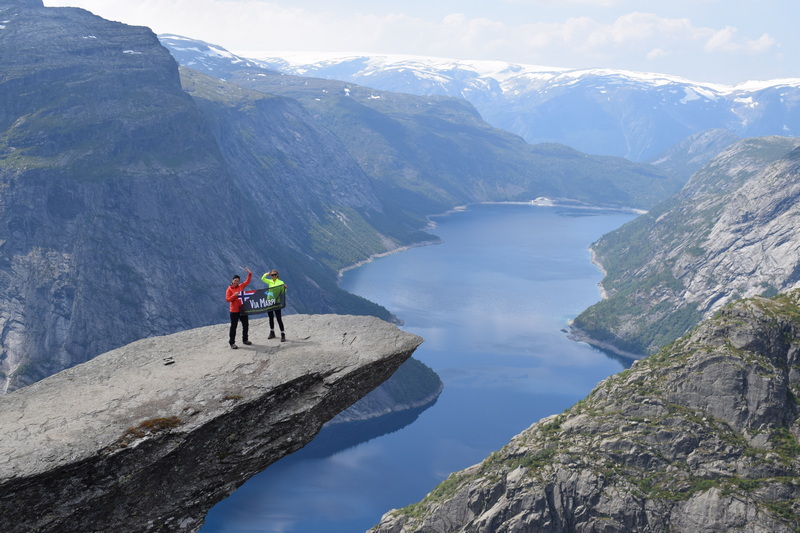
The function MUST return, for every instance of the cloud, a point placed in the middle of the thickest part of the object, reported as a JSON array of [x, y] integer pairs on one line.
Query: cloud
[[725, 40], [634, 40], [657, 53], [598, 3]]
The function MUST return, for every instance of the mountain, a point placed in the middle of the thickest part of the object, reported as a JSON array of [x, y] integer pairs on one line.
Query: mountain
[[731, 232], [691, 154], [598, 111], [428, 154], [319, 201], [702, 436]]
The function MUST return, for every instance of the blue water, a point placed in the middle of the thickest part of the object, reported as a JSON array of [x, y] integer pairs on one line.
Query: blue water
[[491, 302]]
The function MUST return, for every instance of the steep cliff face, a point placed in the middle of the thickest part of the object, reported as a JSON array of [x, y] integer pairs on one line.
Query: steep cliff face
[[729, 233], [107, 170], [319, 200], [702, 436], [149, 436]]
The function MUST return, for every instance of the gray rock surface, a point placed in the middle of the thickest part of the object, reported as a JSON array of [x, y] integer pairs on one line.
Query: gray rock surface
[[149, 436], [701, 437], [730, 233]]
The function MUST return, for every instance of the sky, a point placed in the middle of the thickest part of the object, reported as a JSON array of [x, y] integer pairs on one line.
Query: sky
[[716, 41]]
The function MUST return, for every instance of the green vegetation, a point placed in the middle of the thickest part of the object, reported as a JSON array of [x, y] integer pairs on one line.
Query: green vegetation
[[650, 260], [651, 326], [233, 397], [786, 445], [445, 490], [202, 86], [343, 238]]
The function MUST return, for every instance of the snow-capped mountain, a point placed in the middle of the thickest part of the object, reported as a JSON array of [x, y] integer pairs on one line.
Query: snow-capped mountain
[[614, 112], [600, 111]]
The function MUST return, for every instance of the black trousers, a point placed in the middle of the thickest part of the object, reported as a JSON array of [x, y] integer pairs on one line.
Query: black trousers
[[272, 316], [235, 319]]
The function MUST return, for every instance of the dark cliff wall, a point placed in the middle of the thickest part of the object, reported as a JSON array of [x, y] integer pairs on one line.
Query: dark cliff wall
[[114, 196]]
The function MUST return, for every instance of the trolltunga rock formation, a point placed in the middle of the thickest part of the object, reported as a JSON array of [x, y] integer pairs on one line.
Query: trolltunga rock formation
[[149, 436]]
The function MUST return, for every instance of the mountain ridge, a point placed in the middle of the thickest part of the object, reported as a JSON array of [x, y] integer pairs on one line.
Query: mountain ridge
[[626, 113], [306, 63], [435, 152]]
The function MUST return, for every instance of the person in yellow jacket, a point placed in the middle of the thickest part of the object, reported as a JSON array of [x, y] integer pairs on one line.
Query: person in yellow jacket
[[272, 279]]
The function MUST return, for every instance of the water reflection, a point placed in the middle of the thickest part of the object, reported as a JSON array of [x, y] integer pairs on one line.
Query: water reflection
[[339, 437]]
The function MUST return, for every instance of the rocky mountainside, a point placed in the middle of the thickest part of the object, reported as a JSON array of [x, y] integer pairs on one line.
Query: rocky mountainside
[[148, 437], [320, 205], [730, 233], [428, 154], [691, 154], [702, 436], [599, 111]]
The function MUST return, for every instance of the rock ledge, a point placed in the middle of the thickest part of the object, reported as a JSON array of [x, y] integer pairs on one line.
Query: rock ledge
[[149, 436]]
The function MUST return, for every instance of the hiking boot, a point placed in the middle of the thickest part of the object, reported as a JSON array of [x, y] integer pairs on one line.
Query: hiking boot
[[234, 347], [271, 335], [283, 337], [247, 342]]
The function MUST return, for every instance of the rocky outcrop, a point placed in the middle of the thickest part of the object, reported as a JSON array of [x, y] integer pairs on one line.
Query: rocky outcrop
[[702, 436], [730, 233], [149, 436]]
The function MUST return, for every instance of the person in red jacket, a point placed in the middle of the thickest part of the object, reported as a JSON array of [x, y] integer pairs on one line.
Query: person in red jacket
[[232, 296]]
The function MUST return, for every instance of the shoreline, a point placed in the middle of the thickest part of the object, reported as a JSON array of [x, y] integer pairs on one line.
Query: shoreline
[[573, 333], [541, 201], [386, 253], [578, 335], [596, 262]]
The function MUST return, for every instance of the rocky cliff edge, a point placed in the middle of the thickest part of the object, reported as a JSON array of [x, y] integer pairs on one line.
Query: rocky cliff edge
[[149, 436], [701, 437]]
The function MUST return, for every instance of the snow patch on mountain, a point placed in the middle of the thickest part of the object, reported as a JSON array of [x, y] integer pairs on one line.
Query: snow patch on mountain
[[444, 70], [637, 115]]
